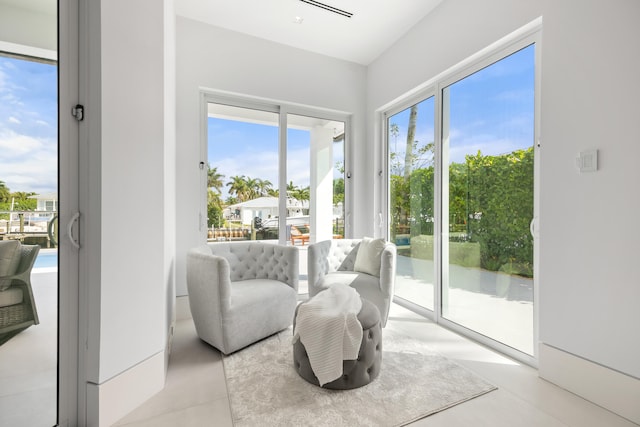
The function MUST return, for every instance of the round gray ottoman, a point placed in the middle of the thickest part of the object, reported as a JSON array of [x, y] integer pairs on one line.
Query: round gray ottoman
[[356, 373]]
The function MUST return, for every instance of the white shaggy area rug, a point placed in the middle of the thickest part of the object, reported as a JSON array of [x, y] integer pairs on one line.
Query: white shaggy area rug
[[414, 382]]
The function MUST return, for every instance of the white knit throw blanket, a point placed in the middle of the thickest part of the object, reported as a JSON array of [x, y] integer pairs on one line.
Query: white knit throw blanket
[[328, 327]]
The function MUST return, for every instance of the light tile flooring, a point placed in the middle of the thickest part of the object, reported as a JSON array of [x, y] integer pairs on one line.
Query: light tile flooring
[[28, 363], [195, 393]]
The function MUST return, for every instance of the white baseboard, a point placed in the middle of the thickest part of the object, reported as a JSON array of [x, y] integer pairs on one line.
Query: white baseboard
[[110, 401], [605, 387]]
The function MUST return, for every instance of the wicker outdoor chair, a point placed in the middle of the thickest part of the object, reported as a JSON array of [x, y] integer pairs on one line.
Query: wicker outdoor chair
[[17, 305]]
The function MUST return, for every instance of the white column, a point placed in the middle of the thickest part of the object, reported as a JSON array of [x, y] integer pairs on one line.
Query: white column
[[321, 186]]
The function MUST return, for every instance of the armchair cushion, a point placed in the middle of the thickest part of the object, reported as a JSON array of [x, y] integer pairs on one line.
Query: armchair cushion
[[11, 296], [368, 256], [9, 261]]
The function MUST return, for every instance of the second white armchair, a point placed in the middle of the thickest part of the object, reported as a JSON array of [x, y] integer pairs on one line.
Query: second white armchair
[[368, 265]]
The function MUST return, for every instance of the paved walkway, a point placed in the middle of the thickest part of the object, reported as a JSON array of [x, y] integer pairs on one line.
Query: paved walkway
[[497, 305]]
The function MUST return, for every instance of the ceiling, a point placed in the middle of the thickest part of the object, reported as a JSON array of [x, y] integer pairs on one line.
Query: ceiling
[[48, 7], [373, 28]]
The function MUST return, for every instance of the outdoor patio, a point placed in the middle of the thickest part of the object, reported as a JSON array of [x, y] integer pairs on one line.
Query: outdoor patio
[[494, 304]]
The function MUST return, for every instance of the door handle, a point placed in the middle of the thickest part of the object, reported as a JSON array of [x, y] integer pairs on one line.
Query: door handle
[[532, 227], [72, 239]]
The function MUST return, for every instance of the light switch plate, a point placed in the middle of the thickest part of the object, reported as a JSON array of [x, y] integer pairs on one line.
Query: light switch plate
[[587, 161]]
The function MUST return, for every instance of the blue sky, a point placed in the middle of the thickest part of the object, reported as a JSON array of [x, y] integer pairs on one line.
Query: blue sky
[[241, 148], [28, 125], [491, 111]]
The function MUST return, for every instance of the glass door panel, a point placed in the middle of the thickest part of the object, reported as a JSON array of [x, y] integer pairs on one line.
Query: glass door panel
[[487, 156], [411, 188], [242, 179], [28, 213]]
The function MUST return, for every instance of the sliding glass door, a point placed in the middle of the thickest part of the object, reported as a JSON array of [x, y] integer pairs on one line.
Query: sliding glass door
[[461, 210], [28, 215], [487, 169]]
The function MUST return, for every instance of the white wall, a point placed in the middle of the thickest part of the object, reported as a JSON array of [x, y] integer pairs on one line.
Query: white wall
[[132, 188], [169, 174], [588, 282], [214, 58], [128, 192]]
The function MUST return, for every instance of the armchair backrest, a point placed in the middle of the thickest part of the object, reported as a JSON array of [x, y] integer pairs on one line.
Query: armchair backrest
[[340, 255], [19, 265], [331, 256], [335, 255], [259, 260]]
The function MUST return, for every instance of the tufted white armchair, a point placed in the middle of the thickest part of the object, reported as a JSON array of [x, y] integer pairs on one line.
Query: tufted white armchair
[[333, 261], [241, 292]]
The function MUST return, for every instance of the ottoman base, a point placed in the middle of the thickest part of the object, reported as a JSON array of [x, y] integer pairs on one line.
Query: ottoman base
[[356, 373]]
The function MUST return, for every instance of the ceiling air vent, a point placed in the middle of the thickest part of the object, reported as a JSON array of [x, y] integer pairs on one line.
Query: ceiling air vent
[[327, 7]]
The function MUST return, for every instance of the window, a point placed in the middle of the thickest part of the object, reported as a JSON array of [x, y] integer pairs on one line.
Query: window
[[264, 164]]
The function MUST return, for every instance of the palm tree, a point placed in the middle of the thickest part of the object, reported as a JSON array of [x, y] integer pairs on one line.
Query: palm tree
[[411, 135], [5, 194], [238, 186], [297, 192], [302, 193], [252, 188], [264, 186], [214, 179]]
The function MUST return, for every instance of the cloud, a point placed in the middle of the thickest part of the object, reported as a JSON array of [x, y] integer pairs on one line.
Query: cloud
[[28, 128], [28, 164], [488, 144]]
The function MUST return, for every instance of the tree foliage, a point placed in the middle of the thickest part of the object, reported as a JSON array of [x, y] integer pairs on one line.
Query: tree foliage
[[490, 203], [17, 201], [501, 206]]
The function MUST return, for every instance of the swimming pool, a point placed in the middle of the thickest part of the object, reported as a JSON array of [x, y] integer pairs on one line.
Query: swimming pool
[[47, 258]]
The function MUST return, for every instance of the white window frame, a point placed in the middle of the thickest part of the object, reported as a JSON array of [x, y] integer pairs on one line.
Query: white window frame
[[282, 109]]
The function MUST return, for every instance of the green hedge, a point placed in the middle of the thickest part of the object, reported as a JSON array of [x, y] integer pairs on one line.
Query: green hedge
[[490, 205], [466, 254]]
